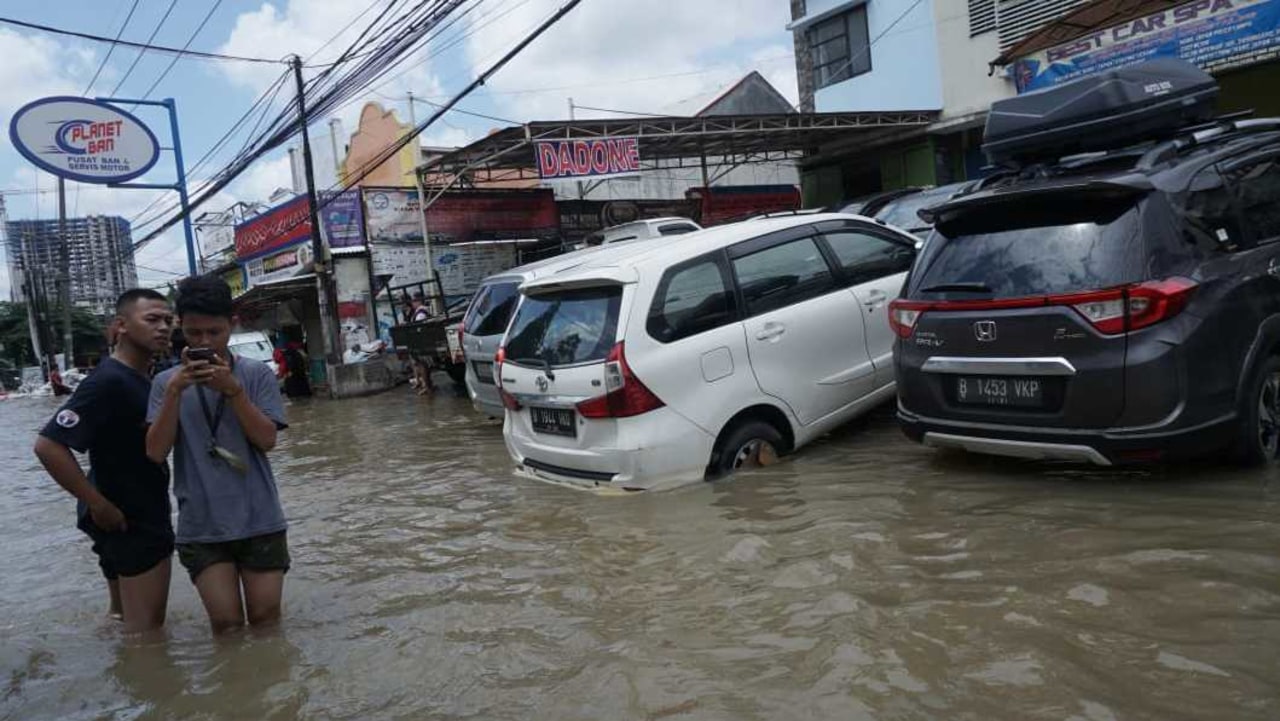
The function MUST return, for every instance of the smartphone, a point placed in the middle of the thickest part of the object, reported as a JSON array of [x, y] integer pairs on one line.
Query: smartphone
[[200, 354]]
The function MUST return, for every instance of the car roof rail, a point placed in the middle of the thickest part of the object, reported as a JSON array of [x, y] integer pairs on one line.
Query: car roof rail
[[1224, 129]]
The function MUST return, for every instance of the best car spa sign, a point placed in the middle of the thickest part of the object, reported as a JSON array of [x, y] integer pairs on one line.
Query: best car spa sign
[[84, 140], [590, 159]]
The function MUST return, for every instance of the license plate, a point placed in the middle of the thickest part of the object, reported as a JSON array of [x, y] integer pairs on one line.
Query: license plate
[[993, 391], [484, 372], [554, 421]]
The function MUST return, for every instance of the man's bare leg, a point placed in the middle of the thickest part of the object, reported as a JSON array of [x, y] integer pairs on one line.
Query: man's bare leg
[[145, 598], [262, 593], [219, 588]]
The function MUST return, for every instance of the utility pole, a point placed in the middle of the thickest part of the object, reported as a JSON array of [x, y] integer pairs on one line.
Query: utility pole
[[324, 281], [437, 304], [68, 355], [33, 321]]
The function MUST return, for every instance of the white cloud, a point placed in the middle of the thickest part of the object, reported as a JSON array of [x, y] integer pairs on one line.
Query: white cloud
[[35, 66], [598, 50]]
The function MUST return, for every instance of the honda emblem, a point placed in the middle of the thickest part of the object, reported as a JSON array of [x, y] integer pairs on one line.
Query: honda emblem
[[985, 330]]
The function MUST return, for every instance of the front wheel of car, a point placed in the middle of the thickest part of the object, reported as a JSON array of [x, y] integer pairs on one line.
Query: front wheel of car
[[1259, 436], [752, 444]]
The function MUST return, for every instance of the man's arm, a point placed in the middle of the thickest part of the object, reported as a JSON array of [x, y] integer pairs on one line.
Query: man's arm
[[166, 405], [58, 460]]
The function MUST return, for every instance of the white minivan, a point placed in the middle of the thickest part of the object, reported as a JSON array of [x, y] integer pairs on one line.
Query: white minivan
[[701, 355]]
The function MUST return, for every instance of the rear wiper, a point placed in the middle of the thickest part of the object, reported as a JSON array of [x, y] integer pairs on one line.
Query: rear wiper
[[540, 363], [958, 287]]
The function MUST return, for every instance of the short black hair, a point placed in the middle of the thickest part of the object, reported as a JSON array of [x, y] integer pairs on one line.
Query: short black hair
[[133, 295], [205, 295]]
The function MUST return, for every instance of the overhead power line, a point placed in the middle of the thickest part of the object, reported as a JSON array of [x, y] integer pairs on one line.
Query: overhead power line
[[143, 46], [186, 45], [154, 33], [111, 49]]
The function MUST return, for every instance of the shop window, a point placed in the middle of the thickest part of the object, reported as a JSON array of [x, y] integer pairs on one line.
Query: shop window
[[841, 48]]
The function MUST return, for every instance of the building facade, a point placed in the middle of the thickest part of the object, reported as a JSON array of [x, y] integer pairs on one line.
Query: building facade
[[99, 256], [918, 55]]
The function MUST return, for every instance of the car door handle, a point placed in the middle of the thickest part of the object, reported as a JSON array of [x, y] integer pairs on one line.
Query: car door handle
[[875, 299], [771, 331]]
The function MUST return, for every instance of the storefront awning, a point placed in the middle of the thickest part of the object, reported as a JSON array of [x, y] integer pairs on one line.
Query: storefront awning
[[1085, 19], [667, 142], [267, 295]]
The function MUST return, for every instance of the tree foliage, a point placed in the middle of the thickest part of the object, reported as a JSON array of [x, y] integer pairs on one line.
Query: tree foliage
[[88, 333]]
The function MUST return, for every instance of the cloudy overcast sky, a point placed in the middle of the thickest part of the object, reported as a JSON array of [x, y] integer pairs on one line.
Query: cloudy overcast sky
[[650, 56]]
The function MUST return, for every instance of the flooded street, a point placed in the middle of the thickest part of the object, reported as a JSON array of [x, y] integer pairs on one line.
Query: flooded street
[[864, 578]]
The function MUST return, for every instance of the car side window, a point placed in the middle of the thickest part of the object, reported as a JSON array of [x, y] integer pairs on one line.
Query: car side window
[[865, 257], [1257, 187], [782, 275], [692, 298]]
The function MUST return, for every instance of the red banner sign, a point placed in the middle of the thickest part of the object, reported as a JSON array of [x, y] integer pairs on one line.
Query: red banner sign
[[281, 226], [594, 158], [732, 203], [491, 215]]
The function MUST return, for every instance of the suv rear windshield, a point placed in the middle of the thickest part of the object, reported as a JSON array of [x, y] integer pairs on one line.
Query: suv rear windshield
[[565, 328], [491, 309], [1036, 247]]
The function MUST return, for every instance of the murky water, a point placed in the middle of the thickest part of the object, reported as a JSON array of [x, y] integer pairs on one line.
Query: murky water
[[865, 578]]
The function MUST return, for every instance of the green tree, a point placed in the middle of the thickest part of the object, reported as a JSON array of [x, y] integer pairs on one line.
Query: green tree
[[88, 333]]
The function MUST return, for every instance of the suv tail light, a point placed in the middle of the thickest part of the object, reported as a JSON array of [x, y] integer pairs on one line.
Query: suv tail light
[[1112, 312], [625, 395], [461, 355], [903, 315], [508, 401]]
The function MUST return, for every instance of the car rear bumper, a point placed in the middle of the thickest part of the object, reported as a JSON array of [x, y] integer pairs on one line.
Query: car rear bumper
[[484, 397], [657, 450], [1097, 446]]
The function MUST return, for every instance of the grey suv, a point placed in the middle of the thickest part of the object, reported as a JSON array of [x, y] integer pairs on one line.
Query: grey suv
[[1113, 306]]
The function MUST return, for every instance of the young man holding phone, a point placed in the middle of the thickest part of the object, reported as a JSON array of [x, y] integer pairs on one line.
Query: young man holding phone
[[124, 500], [219, 415]]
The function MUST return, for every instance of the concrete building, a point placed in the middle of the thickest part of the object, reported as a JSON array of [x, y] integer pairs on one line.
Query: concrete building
[[896, 55], [100, 257]]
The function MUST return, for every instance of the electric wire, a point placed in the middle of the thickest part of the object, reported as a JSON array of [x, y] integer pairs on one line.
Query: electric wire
[[134, 64], [111, 49]]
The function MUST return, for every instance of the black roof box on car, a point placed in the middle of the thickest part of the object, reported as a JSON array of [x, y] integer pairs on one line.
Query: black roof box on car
[[1102, 111]]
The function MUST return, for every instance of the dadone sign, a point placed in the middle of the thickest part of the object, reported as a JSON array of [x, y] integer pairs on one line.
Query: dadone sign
[[590, 159], [83, 140]]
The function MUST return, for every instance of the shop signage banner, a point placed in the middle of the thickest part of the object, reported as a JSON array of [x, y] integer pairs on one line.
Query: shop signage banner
[[283, 225], [461, 268], [465, 216], [737, 202], [341, 222], [591, 159], [83, 140], [393, 215], [278, 265], [1213, 34]]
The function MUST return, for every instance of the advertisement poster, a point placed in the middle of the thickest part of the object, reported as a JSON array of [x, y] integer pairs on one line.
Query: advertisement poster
[[461, 268], [341, 222], [733, 203], [1213, 34], [283, 225], [235, 279], [279, 265], [589, 158], [392, 215]]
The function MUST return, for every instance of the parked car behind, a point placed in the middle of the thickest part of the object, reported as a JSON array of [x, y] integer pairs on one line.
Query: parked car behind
[[904, 211], [642, 229], [697, 356], [1111, 307], [255, 345]]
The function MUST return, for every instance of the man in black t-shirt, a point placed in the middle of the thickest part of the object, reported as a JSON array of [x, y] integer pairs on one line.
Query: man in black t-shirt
[[124, 501]]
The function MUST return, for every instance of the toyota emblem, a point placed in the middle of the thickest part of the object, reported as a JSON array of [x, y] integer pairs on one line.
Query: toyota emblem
[[985, 330], [542, 384]]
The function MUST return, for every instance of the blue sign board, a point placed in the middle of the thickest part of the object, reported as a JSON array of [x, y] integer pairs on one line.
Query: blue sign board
[[1213, 34]]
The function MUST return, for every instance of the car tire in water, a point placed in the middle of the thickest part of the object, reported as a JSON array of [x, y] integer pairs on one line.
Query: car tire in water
[[457, 372], [1258, 439], [750, 444]]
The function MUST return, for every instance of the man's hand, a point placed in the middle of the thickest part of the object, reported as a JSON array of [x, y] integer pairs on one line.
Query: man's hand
[[106, 516], [220, 378]]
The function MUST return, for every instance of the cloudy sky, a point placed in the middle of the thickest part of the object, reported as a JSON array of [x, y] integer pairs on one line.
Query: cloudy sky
[[647, 56]]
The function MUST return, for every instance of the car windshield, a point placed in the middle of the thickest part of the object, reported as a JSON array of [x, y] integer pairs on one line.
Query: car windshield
[[491, 309], [565, 328], [904, 212], [1035, 247], [256, 349]]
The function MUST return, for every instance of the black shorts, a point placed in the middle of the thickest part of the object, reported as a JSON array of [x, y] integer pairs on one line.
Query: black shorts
[[129, 553], [268, 552]]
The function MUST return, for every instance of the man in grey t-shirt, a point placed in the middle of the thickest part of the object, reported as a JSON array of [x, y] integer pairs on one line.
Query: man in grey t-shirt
[[219, 415]]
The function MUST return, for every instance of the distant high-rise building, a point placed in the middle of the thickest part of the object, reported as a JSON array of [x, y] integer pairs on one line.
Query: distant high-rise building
[[100, 254]]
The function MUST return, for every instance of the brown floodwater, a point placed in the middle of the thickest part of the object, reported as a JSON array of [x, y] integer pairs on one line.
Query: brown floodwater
[[863, 578]]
